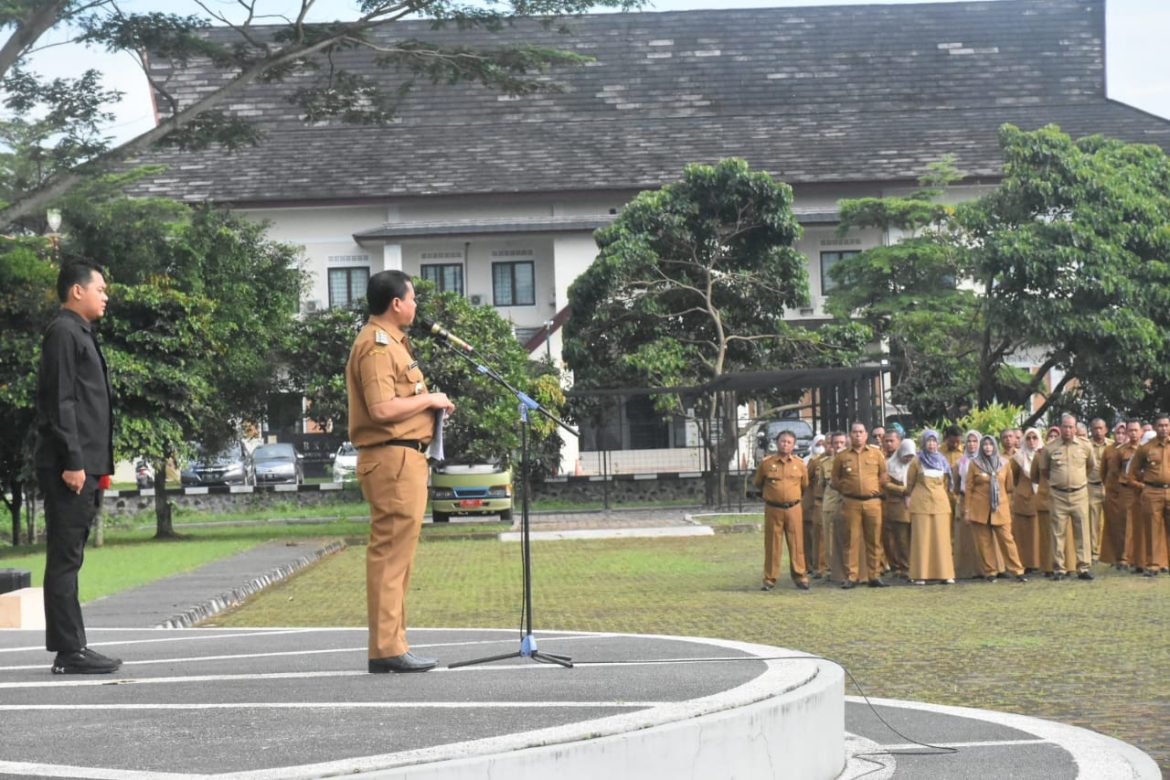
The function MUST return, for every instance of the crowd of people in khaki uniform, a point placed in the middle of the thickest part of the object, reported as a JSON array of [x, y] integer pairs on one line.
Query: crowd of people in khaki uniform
[[953, 507]]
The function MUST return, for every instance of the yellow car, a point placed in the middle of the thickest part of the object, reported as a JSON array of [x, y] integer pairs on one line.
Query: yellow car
[[460, 491]]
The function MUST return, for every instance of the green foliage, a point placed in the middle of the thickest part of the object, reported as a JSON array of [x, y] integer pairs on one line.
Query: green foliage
[[989, 420], [485, 426]]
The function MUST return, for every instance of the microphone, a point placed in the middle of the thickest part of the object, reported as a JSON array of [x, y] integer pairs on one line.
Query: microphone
[[439, 332]]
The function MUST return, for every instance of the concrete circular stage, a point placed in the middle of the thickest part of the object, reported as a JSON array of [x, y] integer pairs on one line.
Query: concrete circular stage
[[297, 702]]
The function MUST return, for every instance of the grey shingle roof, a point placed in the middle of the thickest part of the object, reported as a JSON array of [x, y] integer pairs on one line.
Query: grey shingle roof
[[814, 94]]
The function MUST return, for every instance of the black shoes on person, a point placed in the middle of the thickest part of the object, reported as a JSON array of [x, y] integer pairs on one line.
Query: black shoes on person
[[407, 662], [85, 661], [877, 584]]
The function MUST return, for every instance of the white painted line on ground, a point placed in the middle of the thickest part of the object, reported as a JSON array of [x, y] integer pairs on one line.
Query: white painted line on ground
[[611, 533], [245, 634], [1096, 755], [342, 705], [956, 745], [63, 770]]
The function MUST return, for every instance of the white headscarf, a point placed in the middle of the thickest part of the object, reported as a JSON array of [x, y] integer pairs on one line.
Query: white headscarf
[[1025, 454], [817, 448], [897, 468], [1148, 436]]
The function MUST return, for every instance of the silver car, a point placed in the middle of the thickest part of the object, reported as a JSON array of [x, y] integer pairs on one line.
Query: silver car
[[278, 464], [345, 463]]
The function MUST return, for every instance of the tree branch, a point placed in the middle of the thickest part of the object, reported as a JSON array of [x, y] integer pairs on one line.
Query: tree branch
[[28, 32], [1052, 397]]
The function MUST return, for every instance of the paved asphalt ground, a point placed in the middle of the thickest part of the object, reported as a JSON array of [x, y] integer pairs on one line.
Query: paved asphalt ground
[[296, 702]]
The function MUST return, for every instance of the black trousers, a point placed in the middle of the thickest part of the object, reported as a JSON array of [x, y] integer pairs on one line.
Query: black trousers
[[68, 518]]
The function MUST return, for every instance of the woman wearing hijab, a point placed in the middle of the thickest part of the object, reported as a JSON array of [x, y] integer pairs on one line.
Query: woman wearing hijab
[[895, 518], [1029, 534], [927, 497], [967, 565], [986, 494]]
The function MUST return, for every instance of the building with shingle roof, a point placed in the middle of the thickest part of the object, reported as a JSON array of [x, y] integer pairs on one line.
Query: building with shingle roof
[[497, 197]]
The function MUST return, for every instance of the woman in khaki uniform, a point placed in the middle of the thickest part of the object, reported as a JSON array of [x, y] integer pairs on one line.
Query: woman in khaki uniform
[[1026, 527], [929, 504], [986, 509], [967, 564], [895, 517]]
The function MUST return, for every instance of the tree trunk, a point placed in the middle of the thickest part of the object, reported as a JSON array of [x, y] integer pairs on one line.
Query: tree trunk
[[164, 528], [16, 488], [31, 515]]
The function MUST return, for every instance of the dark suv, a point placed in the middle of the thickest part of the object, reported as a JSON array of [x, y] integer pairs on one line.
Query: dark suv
[[767, 432]]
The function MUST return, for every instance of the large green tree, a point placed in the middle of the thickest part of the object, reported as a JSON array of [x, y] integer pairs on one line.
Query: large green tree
[[691, 283], [273, 41], [1067, 259]]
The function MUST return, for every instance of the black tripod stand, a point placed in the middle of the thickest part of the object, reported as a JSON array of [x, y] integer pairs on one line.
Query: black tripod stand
[[528, 647]]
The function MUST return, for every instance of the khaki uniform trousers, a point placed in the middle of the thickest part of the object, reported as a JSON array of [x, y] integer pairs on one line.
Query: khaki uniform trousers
[[394, 483], [993, 542], [1096, 516], [814, 546], [1070, 509], [862, 521], [784, 526], [832, 539], [1152, 518]]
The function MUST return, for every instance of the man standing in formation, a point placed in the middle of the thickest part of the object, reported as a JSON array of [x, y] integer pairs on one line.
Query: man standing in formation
[[859, 474], [74, 457], [391, 421], [1067, 464], [1150, 467], [1099, 441], [783, 477]]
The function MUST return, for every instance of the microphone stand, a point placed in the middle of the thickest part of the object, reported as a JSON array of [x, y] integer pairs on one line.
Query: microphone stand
[[528, 648]]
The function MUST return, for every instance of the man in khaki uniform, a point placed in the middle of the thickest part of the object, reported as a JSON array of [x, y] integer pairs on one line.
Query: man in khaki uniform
[[832, 539], [1068, 462], [783, 477], [391, 421], [1151, 465], [859, 474], [1098, 440]]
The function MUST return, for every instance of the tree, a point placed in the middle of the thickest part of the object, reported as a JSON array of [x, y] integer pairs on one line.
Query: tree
[[201, 305], [691, 283], [484, 427], [27, 302], [1066, 259], [57, 153]]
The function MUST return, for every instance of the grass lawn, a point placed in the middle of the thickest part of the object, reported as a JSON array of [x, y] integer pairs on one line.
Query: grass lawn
[[1092, 654]]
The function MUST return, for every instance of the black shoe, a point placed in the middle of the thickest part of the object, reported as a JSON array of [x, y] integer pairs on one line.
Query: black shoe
[[767, 586], [1150, 573], [802, 586], [85, 661], [989, 578], [877, 584], [848, 585], [817, 575], [1021, 578], [1085, 575], [1060, 575], [407, 662]]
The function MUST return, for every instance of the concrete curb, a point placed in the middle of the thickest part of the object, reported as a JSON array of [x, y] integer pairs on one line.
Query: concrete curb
[[236, 596]]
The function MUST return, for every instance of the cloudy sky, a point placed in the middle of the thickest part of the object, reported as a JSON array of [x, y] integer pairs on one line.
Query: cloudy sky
[[1135, 33]]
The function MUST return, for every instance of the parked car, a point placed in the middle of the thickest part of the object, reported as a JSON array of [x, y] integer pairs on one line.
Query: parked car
[[479, 489], [230, 466], [345, 463], [278, 463], [144, 474], [767, 432]]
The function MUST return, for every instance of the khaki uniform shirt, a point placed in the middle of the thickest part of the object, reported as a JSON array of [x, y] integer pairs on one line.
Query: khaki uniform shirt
[[859, 474], [814, 473], [1117, 460], [929, 493], [1095, 476], [381, 368], [1151, 464], [1066, 464], [783, 479]]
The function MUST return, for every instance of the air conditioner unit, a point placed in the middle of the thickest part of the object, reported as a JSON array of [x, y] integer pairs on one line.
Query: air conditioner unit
[[308, 307], [477, 300], [807, 312]]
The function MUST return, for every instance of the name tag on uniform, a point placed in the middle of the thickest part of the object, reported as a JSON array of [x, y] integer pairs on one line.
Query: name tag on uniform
[[380, 337], [412, 366]]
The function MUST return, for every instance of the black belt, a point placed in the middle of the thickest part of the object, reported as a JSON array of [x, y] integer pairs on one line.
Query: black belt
[[410, 444], [1162, 485], [861, 498], [1094, 483], [788, 505], [1067, 490]]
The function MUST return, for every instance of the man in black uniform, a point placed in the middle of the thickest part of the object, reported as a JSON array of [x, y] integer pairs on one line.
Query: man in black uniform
[[74, 453]]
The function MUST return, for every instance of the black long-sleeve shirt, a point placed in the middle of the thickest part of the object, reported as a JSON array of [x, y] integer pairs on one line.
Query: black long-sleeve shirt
[[74, 416]]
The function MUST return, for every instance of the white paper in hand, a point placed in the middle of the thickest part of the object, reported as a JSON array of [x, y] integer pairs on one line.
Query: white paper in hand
[[435, 450]]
